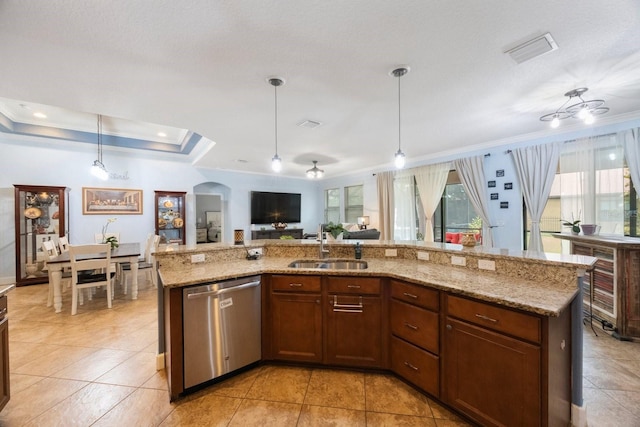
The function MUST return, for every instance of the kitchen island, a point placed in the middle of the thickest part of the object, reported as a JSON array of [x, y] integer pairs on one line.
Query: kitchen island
[[511, 312]]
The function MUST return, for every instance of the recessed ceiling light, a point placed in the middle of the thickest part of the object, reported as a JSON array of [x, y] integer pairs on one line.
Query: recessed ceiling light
[[39, 115], [162, 134]]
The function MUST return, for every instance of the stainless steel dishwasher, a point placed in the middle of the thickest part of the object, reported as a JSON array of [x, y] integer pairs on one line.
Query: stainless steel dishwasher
[[222, 328]]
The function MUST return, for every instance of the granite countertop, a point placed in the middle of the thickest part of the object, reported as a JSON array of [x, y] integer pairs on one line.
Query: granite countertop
[[614, 240], [544, 298], [4, 289]]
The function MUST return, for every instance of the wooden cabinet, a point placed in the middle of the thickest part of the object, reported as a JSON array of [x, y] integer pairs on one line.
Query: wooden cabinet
[[353, 316], [296, 233], [415, 344], [493, 365], [170, 216], [4, 353], [296, 318], [41, 213], [201, 235]]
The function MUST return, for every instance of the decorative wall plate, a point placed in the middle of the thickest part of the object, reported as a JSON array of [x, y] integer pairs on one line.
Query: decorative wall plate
[[168, 204], [32, 213], [178, 222], [162, 223]]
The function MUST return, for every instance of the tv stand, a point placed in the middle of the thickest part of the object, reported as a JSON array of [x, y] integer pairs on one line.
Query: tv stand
[[296, 233]]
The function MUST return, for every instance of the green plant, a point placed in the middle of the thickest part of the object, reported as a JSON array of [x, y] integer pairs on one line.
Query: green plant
[[573, 224], [286, 237], [112, 241], [334, 229], [476, 223]]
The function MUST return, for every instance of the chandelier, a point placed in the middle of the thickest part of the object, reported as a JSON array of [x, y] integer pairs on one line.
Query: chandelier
[[583, 110], [315, 171], [97, 169]]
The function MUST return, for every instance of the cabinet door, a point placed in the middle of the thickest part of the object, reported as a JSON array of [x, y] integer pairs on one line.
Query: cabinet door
[[354, 331], [4, 362], [170, 216], [296, 327], [493, 378]]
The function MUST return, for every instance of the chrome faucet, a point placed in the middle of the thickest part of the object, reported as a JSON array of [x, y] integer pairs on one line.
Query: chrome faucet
[[324, 253]]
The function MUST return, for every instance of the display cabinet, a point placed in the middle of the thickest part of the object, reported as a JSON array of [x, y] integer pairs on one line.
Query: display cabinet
[[41, 213], [170, 216]]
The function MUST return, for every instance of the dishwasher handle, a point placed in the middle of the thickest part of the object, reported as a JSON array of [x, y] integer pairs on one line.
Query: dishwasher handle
[[223, 291]]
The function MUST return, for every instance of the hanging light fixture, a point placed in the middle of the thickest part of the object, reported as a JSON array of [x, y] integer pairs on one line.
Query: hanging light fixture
[[583, 110], [97, 169], [315, 171], [276, 161], [399, 157]]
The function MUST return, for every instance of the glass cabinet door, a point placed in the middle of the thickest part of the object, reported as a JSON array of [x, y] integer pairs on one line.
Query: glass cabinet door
[[170, 216], [40, 214]]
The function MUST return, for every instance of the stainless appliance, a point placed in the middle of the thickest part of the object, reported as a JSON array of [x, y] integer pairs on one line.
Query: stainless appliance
[[222, 324]]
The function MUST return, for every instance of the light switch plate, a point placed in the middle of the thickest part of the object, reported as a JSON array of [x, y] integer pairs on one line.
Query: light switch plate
[[424, 256], [486, 264], [390, 252], [458, 260], [197, 258]]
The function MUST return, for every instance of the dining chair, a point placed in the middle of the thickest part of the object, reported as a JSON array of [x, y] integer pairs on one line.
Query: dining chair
[[88, 272], [63, 243], [50, 251], [115, 267], [148, 263]]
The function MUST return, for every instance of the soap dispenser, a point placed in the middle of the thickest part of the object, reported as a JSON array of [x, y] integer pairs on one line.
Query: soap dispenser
[[358, 250]]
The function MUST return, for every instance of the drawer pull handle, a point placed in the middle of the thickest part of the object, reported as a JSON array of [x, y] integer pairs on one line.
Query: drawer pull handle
[[295, 285], [483, 317], [409, 365], [344, 310], [347, 308], [353, 286], [410, 326], [407, 294], [3, 312]]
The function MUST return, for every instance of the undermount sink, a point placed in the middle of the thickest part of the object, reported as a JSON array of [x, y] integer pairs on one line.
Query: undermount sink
[[339, 264]]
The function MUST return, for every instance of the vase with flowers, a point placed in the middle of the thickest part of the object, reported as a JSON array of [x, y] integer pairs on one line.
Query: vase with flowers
[[112, 240]]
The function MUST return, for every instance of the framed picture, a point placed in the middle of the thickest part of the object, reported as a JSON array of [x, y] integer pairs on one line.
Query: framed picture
[[508, 185], [499, 173], [504, 205], [491, 184], [494, 196], [111, 201]]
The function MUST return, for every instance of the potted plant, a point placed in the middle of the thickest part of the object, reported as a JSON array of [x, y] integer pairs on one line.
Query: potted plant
[[334, 229], [575, 228]]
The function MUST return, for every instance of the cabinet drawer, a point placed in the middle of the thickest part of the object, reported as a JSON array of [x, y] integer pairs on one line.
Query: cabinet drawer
[[353, 285], [418, 295], [416, 325], [500, 319], [416, 366], [290, 283]]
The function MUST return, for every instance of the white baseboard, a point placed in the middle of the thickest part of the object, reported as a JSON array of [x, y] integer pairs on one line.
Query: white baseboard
[[579, 415], [160, 362]]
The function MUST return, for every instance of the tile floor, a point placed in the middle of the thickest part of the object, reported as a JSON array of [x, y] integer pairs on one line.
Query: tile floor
[[98, 368]]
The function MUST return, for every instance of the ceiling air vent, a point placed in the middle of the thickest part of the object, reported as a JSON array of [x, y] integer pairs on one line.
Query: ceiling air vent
[[532, 48], [309, 124]]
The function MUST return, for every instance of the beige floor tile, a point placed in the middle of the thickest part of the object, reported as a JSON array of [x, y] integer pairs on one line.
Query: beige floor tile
[[157, 381], [628, 399], [19, 382], [207, 410], [403, 400], [237, 386], [84, 407], [54, 361], [280, 384], [36, 399], [378, 419], [338, 389], [143, 407], [611, 375], [98, 363], [604, 411], [133, 372], [265, 414], [312, 415], [21, 353]]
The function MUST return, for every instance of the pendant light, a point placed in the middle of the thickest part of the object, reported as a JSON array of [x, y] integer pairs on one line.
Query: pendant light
[[583, 110], [315, 171], [97, 169], [399, 156], [276, 161]]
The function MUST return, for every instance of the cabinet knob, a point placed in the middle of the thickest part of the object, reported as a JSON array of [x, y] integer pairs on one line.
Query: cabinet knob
[[449, 327]]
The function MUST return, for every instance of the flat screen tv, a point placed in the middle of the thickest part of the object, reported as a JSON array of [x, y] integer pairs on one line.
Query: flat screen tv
[[267, 207]]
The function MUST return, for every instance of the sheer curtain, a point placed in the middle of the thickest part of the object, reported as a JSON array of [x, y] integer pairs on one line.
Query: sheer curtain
[[431, 181], [405, 202], [384, 182], [631, 145], [536, 168], [471, 173], [592, 183]]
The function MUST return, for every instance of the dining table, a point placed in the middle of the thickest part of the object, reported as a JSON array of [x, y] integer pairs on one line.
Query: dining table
[[125, 252]]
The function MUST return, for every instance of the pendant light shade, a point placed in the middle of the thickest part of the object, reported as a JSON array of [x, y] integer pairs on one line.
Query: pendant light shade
[[97, 169], [399, 156], [276, 161], [315, 172]]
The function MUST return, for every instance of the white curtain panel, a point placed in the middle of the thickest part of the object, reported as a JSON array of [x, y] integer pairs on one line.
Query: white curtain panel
[[404, 201], [471, 173], [384, 182], [431, 181], [632, 153], [536, 168]]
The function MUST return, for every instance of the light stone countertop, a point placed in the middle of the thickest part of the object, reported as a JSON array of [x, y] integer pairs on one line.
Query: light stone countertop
[[548, 298]]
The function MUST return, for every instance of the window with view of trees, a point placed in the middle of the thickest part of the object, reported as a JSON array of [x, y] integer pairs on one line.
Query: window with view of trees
[[332, 205], [455, 213], [353, 206]]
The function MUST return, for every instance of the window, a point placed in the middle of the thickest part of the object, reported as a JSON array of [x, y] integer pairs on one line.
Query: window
[[353, 203], [332, 205], [455, 214]]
